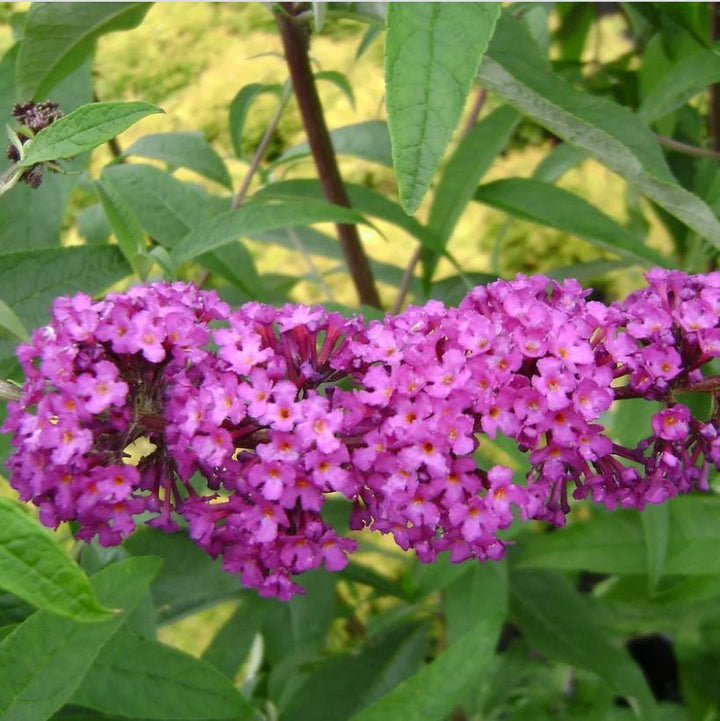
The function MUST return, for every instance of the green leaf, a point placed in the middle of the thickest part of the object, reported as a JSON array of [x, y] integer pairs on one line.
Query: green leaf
[[36, 569], [549, 205], [470, 161], [467, 165], [627, 426], [560, 624], [432, 52], [231, 644], [84, 129], [167, 208], [607, 543], [142, 678], [257, 217], [694, 535], [31, 280], [611, 134], [313, 242], [557, 162], [346, 683], [10, 323], [340, 81], [183, 150], [126, 228], [481, 590], [59, 36], [656, 527], [240, 106], [46, 658], [92, 224], [688, 77], [301, 624], [363, 199], [189, 580], [433, 692], [369, 140]]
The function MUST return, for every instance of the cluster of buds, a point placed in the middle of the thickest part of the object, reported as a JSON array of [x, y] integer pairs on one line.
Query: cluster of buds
[[32, 117], [251, 420]]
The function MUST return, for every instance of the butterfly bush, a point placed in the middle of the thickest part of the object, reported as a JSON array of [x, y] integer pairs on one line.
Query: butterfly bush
[[162, 405]]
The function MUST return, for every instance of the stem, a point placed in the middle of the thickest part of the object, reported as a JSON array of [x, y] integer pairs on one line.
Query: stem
[[475, 112], [310, 263], [406, 280], [681, 147], [261, 148], [295, 44], [715, 87]]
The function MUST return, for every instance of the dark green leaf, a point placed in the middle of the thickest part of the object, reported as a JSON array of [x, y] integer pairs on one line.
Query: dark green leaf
[[338, 80], [432, 52], [84, 129], [240, 106], [608, 132], [607, 543], [126, 228], [35, 568], [46, 657], [362, 199], [470, 161], [183, 150], [11, 324], [301, 624], [433, 692], [467, 165], [557, 162], [549, 205], [59, 36], [346, 683], [93, 224], [31, 280], [142, 678], [369, 140], [257, 217], [167, 208], [688, 77], [189, 580], [558, 622], [694, 535], [233, 640]]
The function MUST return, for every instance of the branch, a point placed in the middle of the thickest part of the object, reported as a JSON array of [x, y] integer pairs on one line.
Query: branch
[[714, 110], [295, 44], [261, 149], [681, 147]]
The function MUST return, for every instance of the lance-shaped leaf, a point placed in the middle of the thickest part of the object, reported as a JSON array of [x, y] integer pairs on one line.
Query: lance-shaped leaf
[[11, 324], [126, 227], [255, 217], [46, 657], [611, 134], [549, 205], [682, 81], [240, 106], [84, 129], [433, 692], [560, 624], [59, 36], [369, 140], [183, 150], [36, 569], [432, 52], [142, 678]]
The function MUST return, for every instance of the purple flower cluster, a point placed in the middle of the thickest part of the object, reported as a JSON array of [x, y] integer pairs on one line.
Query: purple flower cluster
[[250, 420]]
